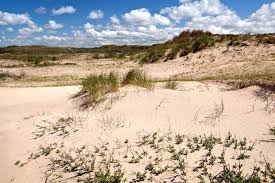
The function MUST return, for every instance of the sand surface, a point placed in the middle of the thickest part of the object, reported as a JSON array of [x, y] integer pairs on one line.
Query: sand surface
[[183, 110]]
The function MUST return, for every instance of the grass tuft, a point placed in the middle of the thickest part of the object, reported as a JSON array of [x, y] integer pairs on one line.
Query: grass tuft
[[96, 87], [172, 85], [139, 78]]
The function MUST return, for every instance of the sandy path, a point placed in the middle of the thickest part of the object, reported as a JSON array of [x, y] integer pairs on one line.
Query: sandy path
[[179, 111]]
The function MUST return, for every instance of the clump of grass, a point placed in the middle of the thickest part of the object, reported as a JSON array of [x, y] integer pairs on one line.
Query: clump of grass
[[95, 89], [139, 78], [172, 85]]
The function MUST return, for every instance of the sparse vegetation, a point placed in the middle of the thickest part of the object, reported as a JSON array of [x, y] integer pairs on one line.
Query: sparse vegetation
[[61, 127], [156, 156], [138, 78]]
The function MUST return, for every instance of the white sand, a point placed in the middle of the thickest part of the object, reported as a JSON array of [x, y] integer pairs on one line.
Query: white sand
[[161, 109]]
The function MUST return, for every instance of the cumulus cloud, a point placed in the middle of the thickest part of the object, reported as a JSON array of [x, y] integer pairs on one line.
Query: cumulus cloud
[[216, 17], [32, 28], [40, 10], [262, 21], [96, 14], [64, 10], [144, 17], [195, 9], [13, 19], [53, 25]]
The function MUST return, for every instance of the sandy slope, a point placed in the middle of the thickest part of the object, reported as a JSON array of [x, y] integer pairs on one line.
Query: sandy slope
[[182, 111]]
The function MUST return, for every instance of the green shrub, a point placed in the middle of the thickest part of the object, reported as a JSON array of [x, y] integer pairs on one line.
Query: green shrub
[[96, 87], [139, 78]]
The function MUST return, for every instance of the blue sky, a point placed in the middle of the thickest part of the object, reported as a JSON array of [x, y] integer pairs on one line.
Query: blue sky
[[88, 23]]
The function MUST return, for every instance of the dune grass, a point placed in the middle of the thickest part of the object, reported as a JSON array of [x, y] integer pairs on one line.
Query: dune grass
[[172, 85], [138, 78], [95, 88]]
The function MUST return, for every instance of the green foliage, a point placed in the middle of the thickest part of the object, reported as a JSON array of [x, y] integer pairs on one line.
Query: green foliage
[[138, 78]]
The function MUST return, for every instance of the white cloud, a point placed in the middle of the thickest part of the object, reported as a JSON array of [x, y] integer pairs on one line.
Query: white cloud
[[64, 10], [32, 28], [114, 19], [53, 25], [96, 14], [88, 26], [51, 38], [40, 10], [13, 19], [194, 9], [10, 29], [144, 17], [214, 16]]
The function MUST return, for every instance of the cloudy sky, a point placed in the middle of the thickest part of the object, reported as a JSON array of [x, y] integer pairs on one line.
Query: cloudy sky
[[90, 23]]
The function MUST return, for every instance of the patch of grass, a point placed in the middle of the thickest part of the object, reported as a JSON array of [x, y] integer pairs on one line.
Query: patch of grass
[[172, 85], [95, 88], [138, 78]]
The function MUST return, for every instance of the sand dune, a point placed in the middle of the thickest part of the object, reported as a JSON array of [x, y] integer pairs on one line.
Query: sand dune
[[185, 110]]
